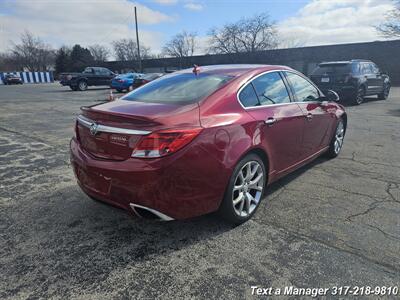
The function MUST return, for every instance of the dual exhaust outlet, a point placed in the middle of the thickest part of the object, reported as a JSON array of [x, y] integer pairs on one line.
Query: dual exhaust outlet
[[149, 213]]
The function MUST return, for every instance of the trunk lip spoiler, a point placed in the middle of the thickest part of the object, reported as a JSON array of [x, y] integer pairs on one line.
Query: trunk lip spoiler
[[109, 129]]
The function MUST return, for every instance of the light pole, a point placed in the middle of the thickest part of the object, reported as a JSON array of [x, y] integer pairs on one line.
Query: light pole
[[137, 42]]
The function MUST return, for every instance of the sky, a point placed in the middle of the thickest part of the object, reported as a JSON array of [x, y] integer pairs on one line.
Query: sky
[[87, 22]]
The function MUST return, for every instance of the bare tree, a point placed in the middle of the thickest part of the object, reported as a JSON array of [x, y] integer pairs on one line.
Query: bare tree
[[32, 53], [7, 62], [181, 45], [391, 27], [99, 52], [247, 35], [126, 49]]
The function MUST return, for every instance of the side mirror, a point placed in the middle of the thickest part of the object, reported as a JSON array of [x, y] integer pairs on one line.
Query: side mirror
[[332, 96]]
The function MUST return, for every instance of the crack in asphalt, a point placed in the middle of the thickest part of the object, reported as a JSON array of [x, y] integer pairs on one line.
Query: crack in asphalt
[[303, 236], [389, 187], [353, 158], [388, 235], [27, 136]]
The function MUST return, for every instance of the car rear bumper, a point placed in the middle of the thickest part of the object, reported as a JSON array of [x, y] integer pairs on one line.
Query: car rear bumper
[[119, 86], [178, 186], [344, 91]]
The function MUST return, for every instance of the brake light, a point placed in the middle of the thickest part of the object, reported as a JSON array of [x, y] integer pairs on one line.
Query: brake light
[[164, 142]]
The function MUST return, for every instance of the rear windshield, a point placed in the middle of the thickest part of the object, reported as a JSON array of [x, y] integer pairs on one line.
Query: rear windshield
[[178, 88], [332, 69]]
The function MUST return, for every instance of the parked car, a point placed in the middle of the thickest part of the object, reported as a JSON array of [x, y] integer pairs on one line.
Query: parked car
[[352, 80], [91, 76], [124, 81], [146, 78], [192, 143], [12, 79]]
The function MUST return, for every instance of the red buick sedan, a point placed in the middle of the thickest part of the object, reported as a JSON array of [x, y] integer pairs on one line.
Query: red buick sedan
[[204, 140]]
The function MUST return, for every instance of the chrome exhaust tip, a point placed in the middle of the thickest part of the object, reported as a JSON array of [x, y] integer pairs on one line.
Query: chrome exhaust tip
[[149, 213]]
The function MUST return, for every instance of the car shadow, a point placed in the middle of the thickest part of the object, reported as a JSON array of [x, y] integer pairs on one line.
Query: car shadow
[[280, 183], [348, 103]]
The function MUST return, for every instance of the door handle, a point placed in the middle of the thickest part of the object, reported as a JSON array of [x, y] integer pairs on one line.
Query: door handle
[[270, 121], [309, 117]]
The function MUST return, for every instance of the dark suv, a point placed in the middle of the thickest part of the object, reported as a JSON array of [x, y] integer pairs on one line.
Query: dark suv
[[352, 80], [90, 76]]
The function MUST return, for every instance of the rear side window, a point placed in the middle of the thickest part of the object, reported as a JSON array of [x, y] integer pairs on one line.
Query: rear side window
[[183, 88], [367, 68], [248, 96], [271, 89], [302, 88]]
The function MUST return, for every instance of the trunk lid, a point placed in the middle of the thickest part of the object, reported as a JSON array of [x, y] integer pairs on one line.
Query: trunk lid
[[121, 124]]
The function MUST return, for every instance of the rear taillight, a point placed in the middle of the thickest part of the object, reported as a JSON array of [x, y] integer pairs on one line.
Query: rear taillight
[[161, 143]]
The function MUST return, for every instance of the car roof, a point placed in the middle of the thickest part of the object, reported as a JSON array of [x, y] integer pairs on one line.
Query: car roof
[[235, 69]]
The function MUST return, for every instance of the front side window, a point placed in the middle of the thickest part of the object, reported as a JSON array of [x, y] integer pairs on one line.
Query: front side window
[[270, 89], [302, 88], [183, 88]]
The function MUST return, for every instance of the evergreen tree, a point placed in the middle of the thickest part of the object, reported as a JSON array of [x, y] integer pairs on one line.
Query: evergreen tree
[[63, 62], [80, 58]]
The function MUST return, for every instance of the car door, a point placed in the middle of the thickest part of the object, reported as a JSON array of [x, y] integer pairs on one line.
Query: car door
[[106, 76], [97, 78], [377, 79], [267, 99], [88, 73], [369, 77], [317, 116]]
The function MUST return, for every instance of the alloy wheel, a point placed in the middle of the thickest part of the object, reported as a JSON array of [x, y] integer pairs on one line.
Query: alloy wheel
[[339, 136], [360, 96], [386, 91], [82, 85], [248, 188]]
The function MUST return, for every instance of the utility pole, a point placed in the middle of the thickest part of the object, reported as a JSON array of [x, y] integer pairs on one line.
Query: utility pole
[[137, 42]]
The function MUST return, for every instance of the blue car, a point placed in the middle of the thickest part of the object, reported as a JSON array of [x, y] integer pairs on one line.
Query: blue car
[[124, 81]]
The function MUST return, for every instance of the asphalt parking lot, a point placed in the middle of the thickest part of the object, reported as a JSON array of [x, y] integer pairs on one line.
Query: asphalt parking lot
[[332, 223]]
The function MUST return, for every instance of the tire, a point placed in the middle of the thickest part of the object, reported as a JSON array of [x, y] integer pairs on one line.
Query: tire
[[359, 97], [247, 196], [82, 85], [385, 93], [337, 140]]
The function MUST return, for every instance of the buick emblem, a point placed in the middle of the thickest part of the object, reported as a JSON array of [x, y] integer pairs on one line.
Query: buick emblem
[[93, 128]]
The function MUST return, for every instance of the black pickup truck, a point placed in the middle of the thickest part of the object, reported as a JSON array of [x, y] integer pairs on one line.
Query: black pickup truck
[[89, 77]]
